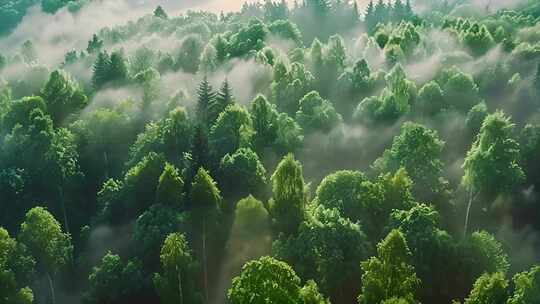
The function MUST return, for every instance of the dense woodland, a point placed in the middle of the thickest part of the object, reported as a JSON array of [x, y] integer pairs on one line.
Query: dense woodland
[[312, 152]]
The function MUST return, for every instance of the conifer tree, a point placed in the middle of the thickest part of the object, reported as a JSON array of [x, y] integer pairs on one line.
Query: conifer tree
[[101, 70], [205, 98]]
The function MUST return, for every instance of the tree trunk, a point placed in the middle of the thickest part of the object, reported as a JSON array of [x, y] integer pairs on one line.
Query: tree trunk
[[205, 266], [180, 293], [467, 215], [63, 205], [106, 161], [51, 286]]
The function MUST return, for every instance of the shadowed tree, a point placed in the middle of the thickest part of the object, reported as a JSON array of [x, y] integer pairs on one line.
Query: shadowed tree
[[43, 236], [207, 201]]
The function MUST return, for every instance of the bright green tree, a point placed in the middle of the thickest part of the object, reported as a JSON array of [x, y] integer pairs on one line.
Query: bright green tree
[[389, 275], [51, 247], [175, 284], [266, 280], [289, 199]]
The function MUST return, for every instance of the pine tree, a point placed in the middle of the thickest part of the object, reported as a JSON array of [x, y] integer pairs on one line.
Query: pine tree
[[409, 14], [101, 70], [380, 13], [398, 11], [369, 17], [160, 13], [117, 67], [206, 97], [223, 99], [94, 45], [355, 15]]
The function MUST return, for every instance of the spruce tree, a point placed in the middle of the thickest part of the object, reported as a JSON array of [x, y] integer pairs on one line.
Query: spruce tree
[[205, 98], [223, 99], [160, 13], [94, 45], [101, 70]]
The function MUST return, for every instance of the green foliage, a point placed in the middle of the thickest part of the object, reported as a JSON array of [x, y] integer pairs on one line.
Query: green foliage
[[492, 162], [326, 248], [489, 289], [389, 275], [174, 284], [43, 236], [205, 196], [243, 165], [151, 228], [418, 150], [172, 136], [526, 287], [266, 280], [62, 96], [113, 280], [394, 101], [483, 253], [231, 131], [289, 199], [170, 190], [316, 114]]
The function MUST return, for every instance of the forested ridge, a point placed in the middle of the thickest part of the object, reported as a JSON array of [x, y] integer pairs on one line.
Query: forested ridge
[[313, 152]]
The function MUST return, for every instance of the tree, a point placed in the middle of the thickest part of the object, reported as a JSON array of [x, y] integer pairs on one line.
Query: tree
[[189, 54], [327, 248], [15, 267], [389, 275], [175, 284], [481, 253], [289, 200], [242, 165], [63, 96], [232, 130], [222, 100], [433, 251], [95, 45], [266, 280], [311, 295], [492, 165], [316, 113], [393, 102], [113, 280], [489, 289], [170, 190], [369, 17], [43, 236], [172, 136], [264, 116], [205, 98], [418, 150], [150, 230], [431, 100], [118, 71], [28, 52], [207, 201], [101, 70], [160, 12], [526, 287], [342, 190]]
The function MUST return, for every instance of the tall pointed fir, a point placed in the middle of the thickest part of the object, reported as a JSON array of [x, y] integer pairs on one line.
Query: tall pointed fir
[[205, 98], [223, 99], [369, 17], [101, 70]]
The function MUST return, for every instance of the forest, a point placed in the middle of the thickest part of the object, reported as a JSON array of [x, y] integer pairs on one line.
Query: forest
[[302, 152]]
